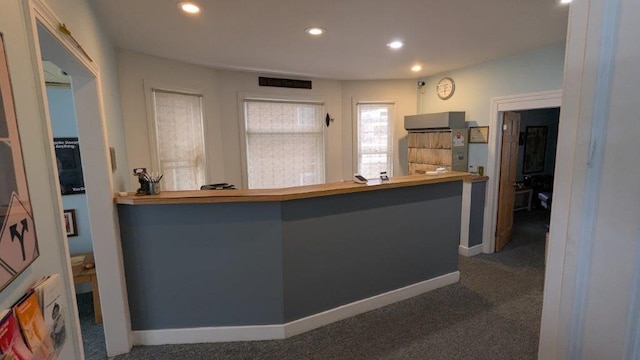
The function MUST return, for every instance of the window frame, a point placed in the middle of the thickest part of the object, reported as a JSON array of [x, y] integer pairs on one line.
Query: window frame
[[150, 87], [248, 96], [391, 135]]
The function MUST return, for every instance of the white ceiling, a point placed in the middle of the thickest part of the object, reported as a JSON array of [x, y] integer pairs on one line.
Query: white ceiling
[[268, 35]]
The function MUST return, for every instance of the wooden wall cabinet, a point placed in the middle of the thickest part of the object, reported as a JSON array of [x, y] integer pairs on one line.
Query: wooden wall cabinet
[[430, 149]]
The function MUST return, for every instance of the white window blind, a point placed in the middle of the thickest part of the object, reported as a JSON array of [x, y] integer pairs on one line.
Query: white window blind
[[374, 142], [284, 143], [179, 139]]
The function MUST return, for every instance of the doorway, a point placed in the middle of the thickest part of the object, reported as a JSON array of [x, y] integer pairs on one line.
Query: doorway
[[63, 122], [50, 43], [500, 105], [525, 190]]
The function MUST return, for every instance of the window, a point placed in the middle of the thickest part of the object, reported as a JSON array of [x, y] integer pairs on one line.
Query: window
[[374, 138], [179, 138], [284, 143]]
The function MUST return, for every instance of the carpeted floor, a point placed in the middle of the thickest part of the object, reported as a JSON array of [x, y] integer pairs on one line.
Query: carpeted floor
[[492, 313], [92, 333]]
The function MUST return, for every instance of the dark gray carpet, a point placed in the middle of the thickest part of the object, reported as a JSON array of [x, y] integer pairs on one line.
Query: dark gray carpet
[[492, 313], [92, 333]]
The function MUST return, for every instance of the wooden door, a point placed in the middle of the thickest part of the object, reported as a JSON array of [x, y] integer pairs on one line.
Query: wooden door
[[508, 167]]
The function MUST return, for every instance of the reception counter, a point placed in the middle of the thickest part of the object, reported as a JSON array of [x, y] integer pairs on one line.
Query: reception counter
[[227, 265]]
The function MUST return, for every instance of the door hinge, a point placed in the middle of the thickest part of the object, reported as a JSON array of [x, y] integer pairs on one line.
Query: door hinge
[[504, 127]]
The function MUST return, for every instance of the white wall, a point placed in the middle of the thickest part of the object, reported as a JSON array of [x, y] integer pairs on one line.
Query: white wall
[[85, 27], [538, 70], [404, 92], [133, 70], [233, 82], [39, 166], [220, 91], [591, 306], [37, 146]]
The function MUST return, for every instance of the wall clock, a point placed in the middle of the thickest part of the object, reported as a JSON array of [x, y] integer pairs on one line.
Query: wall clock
[[445, 88]]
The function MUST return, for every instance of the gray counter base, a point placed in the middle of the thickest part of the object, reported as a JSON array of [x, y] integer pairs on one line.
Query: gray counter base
[[278, 332], [276, 265]]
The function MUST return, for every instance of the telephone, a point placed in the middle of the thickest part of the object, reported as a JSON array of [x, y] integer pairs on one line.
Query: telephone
[[359, 179]]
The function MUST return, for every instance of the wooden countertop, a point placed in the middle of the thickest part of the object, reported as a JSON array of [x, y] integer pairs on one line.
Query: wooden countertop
[[284, 194]]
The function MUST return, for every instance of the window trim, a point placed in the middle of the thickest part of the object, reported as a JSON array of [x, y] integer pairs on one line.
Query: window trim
[[154, 152], [392, 140], [265, 97]]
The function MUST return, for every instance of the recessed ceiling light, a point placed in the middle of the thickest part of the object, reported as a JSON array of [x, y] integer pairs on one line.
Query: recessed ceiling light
[[315, 31], [565, 1], [189, 7], [395, 44], [416, 68]]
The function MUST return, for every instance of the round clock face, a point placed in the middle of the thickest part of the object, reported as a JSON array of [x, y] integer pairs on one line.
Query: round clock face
[[445, 88]]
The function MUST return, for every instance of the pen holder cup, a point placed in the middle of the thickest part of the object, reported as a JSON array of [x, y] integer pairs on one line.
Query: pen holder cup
[[154, 188]]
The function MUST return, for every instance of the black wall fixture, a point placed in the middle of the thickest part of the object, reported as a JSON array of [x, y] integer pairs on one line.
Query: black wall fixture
[[286, 83], [329, 119]]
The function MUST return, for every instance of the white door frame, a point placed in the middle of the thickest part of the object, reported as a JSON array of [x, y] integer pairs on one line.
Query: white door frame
[[88, 98], [519, 102]]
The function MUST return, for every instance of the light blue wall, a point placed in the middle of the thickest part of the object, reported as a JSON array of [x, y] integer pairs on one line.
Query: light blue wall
[[475, 86], [63, 124]]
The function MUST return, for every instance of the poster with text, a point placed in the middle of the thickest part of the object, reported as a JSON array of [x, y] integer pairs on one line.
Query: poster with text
[[69, 165], [18, 242]]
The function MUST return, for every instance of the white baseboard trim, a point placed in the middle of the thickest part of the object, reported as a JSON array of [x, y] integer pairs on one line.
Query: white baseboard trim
[[281, 331], [358, 307], [208, 334], [470, 251]]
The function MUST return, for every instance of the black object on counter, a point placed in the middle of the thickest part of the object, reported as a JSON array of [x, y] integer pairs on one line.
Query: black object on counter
[[220, 186], [143, 179]]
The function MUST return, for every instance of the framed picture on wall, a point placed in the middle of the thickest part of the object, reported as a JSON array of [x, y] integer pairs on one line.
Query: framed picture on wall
[[535, 147], [70, 223], [478, 134]]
